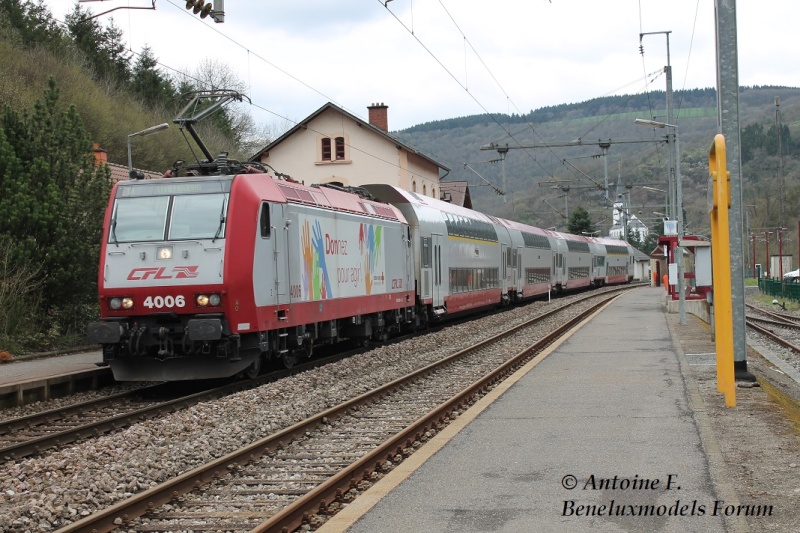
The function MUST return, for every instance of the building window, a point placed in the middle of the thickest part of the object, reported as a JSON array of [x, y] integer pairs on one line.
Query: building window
[[433, 192], [413, 186], [339, 148], [424, 190], [326, 149]]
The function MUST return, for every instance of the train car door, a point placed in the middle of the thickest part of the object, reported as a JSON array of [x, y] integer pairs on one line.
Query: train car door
[[504, 260], [425, 261], [518, 265], [280, 240], [409, 257], [436, 262]]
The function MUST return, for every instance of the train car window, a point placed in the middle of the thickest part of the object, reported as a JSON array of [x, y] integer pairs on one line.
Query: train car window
[[439, 263], [263, 221], [425, 252]]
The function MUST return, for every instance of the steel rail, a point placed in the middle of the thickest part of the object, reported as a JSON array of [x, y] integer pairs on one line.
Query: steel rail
[[776, 323], [298, 512], [37, 444], [774, 337], [776, 316], [98, 427], [137, 505]]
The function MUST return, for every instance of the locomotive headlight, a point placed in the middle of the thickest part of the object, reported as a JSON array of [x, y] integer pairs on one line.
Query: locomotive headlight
[[164, 252], [127, 303], [204, 300], [115, 303]]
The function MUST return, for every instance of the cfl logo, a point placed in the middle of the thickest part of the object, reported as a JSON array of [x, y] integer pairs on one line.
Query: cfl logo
[[178, 272]]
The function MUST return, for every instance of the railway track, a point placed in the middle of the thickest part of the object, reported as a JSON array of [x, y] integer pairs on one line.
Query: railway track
[[774, 337], [778, 318], [303, 472], [56, 428], [27, 435]]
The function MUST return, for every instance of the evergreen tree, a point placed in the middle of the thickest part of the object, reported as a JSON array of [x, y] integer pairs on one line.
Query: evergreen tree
[[53, 201], [580, 222], [103, 48], [31, 20], [149, 83]]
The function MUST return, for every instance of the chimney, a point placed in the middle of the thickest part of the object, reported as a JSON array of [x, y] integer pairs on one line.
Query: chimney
[[100, 155], [379, 116]]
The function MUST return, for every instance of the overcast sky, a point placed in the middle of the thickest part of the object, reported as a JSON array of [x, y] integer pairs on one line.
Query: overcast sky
[[437, 59]]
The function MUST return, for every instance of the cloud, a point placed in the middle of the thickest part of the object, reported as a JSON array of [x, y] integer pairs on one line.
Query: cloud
[[463, 57]]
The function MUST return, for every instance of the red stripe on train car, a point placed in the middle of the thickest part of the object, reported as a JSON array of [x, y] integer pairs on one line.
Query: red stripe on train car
[[472, 300]]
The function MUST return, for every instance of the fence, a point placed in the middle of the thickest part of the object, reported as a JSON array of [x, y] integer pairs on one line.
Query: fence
[[776, 287]]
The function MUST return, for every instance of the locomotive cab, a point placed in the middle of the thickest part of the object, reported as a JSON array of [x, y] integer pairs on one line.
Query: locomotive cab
[[161, 277]]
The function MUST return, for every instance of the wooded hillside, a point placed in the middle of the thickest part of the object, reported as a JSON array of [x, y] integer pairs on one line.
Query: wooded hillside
[[458, 141]]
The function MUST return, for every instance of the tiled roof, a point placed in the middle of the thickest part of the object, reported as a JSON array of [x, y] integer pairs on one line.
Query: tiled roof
[[456, 192], [120, 173]]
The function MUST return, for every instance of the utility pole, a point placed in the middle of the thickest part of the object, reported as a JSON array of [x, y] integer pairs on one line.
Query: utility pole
[[676, 189], [728, 125], [782, 184]]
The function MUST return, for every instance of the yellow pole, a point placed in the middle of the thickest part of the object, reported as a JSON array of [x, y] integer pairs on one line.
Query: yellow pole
[[720, 189]]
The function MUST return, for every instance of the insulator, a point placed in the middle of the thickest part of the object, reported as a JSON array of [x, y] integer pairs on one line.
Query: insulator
[[206, 10], [189, 4], [198, 6]]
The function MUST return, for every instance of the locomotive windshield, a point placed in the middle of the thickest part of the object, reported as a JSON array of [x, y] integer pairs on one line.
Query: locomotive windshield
[[181, 211]]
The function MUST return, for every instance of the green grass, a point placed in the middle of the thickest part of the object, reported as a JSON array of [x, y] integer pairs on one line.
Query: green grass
[[766, 299]]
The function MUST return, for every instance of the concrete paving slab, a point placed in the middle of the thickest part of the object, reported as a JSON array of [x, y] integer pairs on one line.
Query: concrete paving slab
[[599, 436], [32, 369]]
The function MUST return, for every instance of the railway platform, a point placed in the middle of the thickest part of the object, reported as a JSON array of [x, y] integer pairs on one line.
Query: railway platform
[[608, 432], [36, 368], [40, 378]]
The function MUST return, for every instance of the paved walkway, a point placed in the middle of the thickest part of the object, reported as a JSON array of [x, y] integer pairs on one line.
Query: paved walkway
[[43, 368], [601, 436]]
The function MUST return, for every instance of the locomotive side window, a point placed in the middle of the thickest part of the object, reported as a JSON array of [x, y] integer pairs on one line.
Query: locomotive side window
[[263, 221]]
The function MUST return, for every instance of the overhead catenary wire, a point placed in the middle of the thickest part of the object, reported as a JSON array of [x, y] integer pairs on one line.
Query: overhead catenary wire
[[467, 44], [250, 52]]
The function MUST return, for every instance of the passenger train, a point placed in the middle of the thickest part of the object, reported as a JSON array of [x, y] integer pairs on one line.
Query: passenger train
[[214, 273]]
